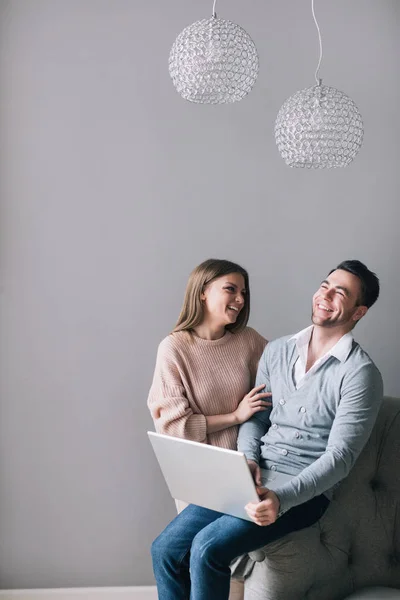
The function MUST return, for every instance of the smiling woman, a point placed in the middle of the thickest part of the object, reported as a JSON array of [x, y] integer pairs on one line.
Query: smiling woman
[[205, 370]]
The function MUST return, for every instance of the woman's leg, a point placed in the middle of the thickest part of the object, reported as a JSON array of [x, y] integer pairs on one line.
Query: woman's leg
[[171, 552], [217, 544]]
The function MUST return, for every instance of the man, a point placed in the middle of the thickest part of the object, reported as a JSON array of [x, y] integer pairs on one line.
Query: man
[[326, 394]]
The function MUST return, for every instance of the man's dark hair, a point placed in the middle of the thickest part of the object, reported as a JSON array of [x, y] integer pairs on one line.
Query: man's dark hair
[[369, 281]]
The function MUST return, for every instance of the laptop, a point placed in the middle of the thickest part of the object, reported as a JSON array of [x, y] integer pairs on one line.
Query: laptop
[[209, 476]]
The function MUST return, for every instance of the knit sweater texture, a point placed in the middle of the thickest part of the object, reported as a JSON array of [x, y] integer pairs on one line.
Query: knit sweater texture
[[195, 378], [316, 432]]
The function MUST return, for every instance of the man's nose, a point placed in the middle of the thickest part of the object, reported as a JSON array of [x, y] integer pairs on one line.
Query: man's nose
[[327, 293]]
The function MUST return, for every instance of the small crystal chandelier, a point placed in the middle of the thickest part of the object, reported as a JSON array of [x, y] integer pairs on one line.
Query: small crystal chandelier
[[319, 127], [213, 61]]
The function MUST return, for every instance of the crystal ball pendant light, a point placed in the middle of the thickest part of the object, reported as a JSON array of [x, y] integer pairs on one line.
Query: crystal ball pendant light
[[319, 127], [213, 61]]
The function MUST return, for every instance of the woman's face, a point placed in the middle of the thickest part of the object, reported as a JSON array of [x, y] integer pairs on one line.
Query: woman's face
[[223, 299]]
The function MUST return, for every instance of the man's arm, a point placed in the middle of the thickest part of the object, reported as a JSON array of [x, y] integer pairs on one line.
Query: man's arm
[[362, 393], [251, 432]]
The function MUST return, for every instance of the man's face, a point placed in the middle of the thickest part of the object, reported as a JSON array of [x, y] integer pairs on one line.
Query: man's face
[[337, 301]]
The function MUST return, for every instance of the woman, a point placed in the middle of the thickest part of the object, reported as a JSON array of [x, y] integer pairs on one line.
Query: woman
[[207, 366]]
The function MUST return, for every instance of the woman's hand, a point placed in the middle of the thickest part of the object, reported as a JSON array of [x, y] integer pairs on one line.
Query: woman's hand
[[252, 403]]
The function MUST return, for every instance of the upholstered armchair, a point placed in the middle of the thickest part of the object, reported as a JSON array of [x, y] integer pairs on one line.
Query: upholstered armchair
[[355, 545]]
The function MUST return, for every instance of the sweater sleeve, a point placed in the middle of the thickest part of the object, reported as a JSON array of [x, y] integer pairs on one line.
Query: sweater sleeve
[[251, 432], [362, 393], [168, 402]]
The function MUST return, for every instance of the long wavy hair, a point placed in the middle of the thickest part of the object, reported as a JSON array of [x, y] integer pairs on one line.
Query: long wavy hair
[[192, 312]]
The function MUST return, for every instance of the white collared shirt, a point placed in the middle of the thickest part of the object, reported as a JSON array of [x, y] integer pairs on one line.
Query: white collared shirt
[[340, 351]]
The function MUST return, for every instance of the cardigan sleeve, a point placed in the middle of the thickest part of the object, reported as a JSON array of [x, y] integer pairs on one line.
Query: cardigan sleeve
[[168, 402]]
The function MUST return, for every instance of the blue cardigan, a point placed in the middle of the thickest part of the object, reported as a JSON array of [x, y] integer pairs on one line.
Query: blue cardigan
[[316, 432]]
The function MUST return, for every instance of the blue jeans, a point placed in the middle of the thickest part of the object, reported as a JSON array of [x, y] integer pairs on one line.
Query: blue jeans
[[206, 542]]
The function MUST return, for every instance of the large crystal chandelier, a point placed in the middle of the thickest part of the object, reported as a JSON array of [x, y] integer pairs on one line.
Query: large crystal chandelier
[[319, 127], [213, 61]]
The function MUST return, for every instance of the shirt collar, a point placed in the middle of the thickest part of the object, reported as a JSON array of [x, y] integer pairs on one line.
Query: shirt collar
[[340, 350]]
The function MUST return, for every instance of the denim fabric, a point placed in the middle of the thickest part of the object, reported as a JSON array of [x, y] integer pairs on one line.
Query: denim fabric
[[192, 556]]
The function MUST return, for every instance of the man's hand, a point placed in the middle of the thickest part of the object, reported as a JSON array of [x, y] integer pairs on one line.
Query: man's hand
[[266, 511], [255, 472]]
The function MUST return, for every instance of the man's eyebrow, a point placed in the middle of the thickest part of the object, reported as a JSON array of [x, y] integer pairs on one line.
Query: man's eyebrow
[[345, 289], [338, 287]]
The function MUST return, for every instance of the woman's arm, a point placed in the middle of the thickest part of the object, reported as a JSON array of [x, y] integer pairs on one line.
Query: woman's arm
[[168, 402]]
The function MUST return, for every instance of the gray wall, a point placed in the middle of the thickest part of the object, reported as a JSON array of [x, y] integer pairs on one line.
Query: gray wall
[[112, 189]]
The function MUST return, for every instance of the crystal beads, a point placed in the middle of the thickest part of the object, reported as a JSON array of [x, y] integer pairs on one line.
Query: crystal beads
[[213, 61], [319, 127]]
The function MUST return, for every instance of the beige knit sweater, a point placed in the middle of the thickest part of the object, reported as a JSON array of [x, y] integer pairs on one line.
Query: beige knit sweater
[[195, 378]]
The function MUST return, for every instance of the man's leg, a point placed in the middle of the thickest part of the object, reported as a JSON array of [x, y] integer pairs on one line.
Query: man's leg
[[171, 551], [217, 544]]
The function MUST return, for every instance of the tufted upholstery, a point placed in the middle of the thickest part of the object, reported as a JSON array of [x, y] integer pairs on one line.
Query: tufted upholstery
[[355, 544]]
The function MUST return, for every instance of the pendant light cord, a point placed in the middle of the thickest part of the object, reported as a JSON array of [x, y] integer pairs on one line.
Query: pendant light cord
[[214, 13], [317, 79]]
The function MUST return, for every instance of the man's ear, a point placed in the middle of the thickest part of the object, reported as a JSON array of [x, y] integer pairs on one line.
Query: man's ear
[[359, 313]]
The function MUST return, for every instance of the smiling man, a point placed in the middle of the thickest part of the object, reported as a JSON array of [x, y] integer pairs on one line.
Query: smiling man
[[326, 393]]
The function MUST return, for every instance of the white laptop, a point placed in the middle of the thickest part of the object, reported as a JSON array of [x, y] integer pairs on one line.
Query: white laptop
[[208, 476]]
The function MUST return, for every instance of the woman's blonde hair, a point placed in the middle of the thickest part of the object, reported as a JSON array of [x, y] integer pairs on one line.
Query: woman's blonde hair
[[192, 312]]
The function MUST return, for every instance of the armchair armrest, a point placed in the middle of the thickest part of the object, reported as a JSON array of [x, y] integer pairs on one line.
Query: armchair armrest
[[285, 569], [291, 568]]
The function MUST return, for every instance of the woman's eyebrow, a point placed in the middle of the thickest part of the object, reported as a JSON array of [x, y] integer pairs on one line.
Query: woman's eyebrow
[[233, 285]]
